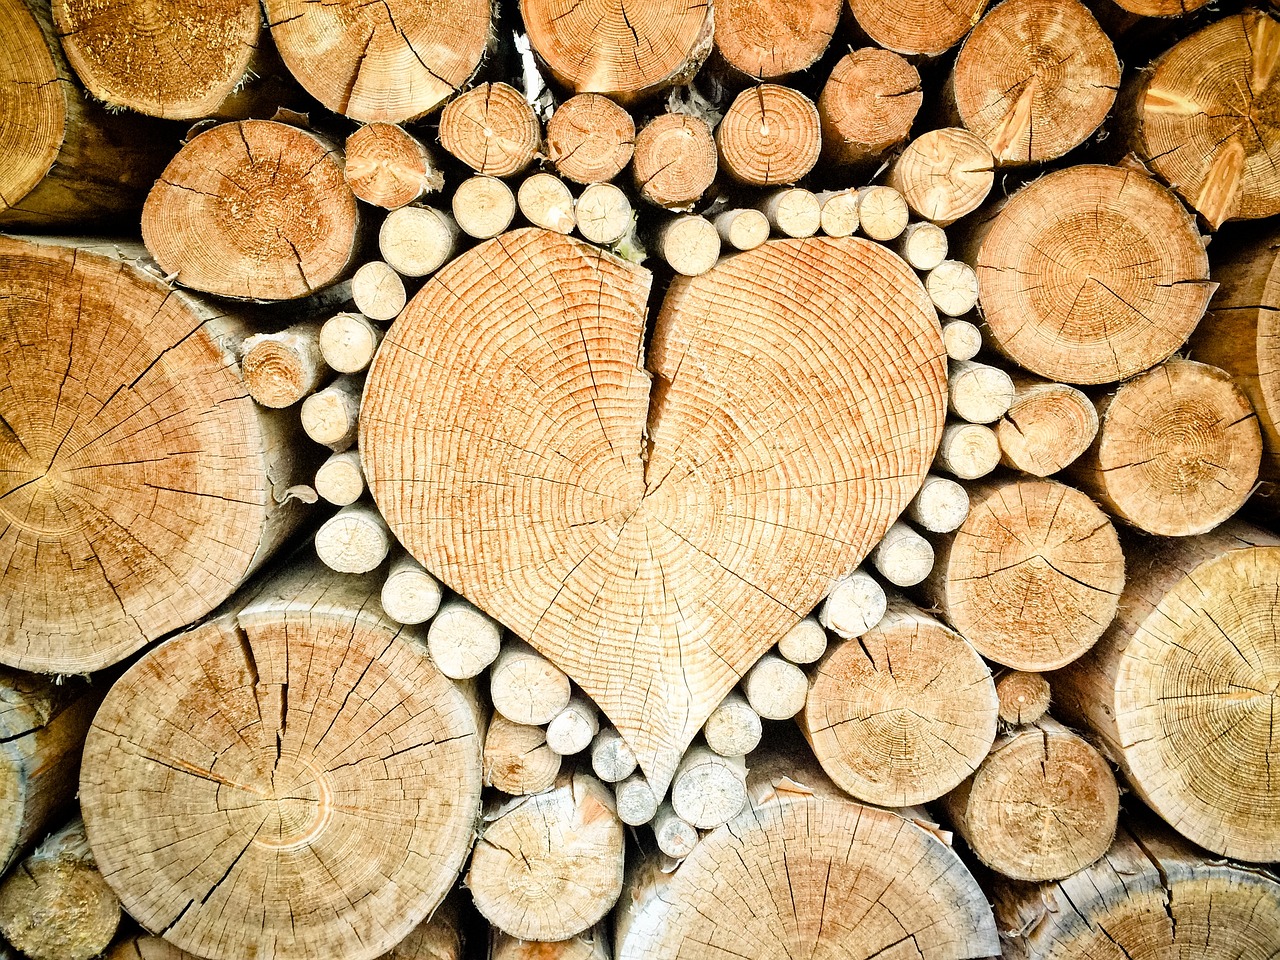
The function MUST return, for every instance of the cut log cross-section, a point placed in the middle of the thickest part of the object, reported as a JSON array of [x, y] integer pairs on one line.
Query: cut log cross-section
[[624, 531]]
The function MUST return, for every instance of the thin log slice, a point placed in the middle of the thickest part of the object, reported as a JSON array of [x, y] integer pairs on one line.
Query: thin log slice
[[769, 39], [605, 550], [1092, 274]]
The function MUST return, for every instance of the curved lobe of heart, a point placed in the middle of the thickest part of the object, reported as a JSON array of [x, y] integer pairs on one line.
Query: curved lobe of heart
[[653, 539]]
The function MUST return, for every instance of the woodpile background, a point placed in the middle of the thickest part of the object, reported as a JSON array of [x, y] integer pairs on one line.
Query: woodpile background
[[741, 479]]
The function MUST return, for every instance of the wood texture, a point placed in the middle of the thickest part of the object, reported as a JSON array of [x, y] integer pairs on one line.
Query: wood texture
[[492, 129], [675, 160], [1047, 426], [1024, 696], [517, 759], [769, 39], [279, 369], [916, 27], [771, 135], [944, 174], [867, 106], [389, 167], [590, 138]]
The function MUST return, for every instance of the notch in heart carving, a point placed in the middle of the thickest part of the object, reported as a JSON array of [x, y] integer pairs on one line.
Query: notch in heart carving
[[653, 537]]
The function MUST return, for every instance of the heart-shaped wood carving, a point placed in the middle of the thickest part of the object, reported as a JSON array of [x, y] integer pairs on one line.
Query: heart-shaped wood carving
[[653, 539]]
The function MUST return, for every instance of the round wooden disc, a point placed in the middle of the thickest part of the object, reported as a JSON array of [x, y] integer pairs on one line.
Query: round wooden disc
[[916, 26], [1092, 274], [33, 107], [654, 573], [771, 135], [296, 780], [768, 39]]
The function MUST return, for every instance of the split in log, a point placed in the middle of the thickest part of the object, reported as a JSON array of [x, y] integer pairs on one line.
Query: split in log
[[967, 451], [882, 213], [675, 160], [279, 369], [636, 802], [590, 139], [708, 789], [944, 174], [1024, 696], [1151, 895], [734, 728], [573, 728], [353, 540], [546, 202], [916, 27], [340, 480], [549, 866], [332, 416], [1047, 426], [389, 167], [902, 714], [962, 339], [839, 212], [65, 160], [483, 207], [855, 604], [611, 758], [1177, 452], [803, 643], [769, 39], [410, 594], [463, 640], [256, 209], [1092, 274], [1035, 79], [792, 212], [141, 484], [1032, 577], [690, 245], [492, 129], [743, 229], [903, 557], [803, 871], [223, 775], [867, 106], [590, 945], [417, 241], [775, 688], [604, 213], [676, 837], [517, 759], [348, 342], [1042, 805], [378, 291], [923, 245], [1203, 118], [978, 392], [1181, 689], [952, 286], [940, 506], [525, 686], [56, 905], [393, 61], [770, 136]]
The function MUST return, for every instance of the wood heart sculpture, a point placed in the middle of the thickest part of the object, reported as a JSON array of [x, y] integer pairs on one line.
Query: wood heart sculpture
[[654, 537]]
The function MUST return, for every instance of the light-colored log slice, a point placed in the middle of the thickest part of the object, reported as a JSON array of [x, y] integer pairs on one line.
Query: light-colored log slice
[[483, 207], [1204, 121], [1181, 689], [492, 129], [64, 159], [1177, 452], [770, 136], [805, 871], [42, 729], [855, 605], [839, 212], [603, 213], [283, 754], [803, 643], [255, 209], [882, 213], [867, 106], [392, 61], [340, 480], [279, 369], [923, 245], [590, 945], [605, 559], [546, 202], [792, 212], [611, 758], [623, 53], [1047, 426], [389, 167], [734, 728], [915, 27], [1092, 274], [940, 506], [1024, 696], [675, 160], [637, 804], [331, 416], [463, 640], [903, 557], [590, 138], [354, 540], [952, 286], [708, 789], [525, 686], [437, 938], [769, 39], [348, 341], [744, 228], [410, 594], [967, 451], [416, 241], [962, 339], [775, 688], [378, 291], [181, 64], [140, 485], [944, 174], [1032, 577], [690, 245], [902, 714], [548, 867], [676, 837], [517, 759], [978, 392], [1035, 79], [56, 906], [1152, 896], [572, 729]]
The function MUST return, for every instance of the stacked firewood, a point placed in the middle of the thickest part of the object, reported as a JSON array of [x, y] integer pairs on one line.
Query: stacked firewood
[[736, 479]]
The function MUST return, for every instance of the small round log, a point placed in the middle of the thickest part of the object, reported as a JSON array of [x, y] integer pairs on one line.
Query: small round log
[[1024, 696], [378, 291], [483, 207], [331, 416], [611, 758], [546, 202], [923, 245], [354, 540], [803, 643], [604, 213], [573, 728], [410, 594], [743, 228], [882, 213], [792, 212], [940, 506], [690, 245], [279, 369], [769, 39], [770, 136], [462, 639], [944, 174], [525, 686], [416, 241], [590, 139], [775, 688], [636, 803], [1047, 426], [967, 451], [675, 160], [389, 167], [978, 392], [903, 557], [708, 789], [839, 212], [854, 605], [961, 339], [867, 106], [917, 27], [492, 129], [953, 287], [348, 342], [340, 480], [517, 759], [676, 837], [734, 728]]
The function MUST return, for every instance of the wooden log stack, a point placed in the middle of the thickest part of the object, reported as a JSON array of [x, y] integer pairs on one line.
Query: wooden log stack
[[753, 479]]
